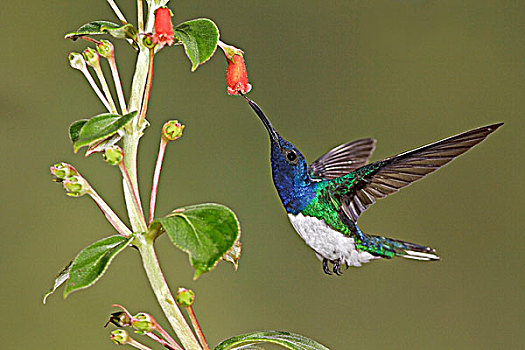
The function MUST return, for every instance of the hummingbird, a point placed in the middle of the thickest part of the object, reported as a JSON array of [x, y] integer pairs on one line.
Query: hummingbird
[[323, 200]]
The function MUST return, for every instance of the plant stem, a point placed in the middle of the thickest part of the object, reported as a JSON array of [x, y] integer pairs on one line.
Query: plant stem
[[156, 176], [105, 88], [140, 16], [164, 343], [130, 146], [96, 89], [136, 344], [118, 85], [197, 328], [113, 219], [117, 11], [148, 87], [164, 296], [132, 189]]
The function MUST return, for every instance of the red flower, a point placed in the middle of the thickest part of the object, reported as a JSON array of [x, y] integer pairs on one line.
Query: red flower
[[163, 27], [236, 76]]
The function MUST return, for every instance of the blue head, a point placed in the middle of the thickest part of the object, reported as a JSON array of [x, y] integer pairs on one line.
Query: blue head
[[289, 169]]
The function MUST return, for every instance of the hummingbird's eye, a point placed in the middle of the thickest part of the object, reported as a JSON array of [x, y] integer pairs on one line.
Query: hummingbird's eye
[[291, 156]]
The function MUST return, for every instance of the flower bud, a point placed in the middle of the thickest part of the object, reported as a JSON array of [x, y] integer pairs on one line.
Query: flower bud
[[62, 171], [105, 49], [91, 57], [172, 130], [143, 323], [120, 336], [148, 41], [113, 155], [185, 297], [163, 27], [76, 186], [119, 319], [77, 61]]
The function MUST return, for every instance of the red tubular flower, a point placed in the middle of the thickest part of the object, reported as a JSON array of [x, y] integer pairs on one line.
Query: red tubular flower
[[236, 76], [163, 27]]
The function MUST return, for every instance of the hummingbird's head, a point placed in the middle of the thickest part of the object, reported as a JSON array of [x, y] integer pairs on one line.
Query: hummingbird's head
[[289, 168]]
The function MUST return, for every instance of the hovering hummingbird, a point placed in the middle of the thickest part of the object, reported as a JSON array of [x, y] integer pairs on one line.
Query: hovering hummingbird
[[324, 199]]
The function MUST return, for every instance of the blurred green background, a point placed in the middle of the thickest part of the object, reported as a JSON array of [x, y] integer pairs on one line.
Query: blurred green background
[[404, 72]]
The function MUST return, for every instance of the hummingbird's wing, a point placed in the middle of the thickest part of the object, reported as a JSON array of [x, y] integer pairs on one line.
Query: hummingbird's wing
[[360, 189], [342, 159]]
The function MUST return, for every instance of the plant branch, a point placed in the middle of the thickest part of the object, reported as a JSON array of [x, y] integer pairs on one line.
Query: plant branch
[[113, 219], [105, 87], [156, 176], [197, 327], [133, 190], [148, 87], [117, 11], [164, 296], [96, 88], [118, 84], [140, 15]]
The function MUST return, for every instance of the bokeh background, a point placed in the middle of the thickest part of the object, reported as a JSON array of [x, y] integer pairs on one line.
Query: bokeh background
[[404, 72]]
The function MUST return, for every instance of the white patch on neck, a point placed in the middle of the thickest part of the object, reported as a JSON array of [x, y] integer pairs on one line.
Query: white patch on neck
[[327, 242]]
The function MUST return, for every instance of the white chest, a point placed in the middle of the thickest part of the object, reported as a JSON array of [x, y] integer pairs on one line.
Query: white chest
[[327, 242]]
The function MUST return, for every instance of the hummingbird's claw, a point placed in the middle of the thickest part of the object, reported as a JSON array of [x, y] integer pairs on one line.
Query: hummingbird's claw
[[326, 269], [337, 267]]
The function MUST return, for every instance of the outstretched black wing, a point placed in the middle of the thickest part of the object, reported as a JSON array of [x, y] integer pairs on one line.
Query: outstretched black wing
[[342, 159], [379, 179]]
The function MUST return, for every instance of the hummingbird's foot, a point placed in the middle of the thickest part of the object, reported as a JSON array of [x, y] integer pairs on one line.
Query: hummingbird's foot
[[337, 267], [326, 269]]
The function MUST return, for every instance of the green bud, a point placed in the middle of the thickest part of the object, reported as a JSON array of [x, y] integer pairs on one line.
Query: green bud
[[147, 40], [62, 171], [76, 186], [143, 323], [185, 297], [120, 319], [172, 130], [113, 155], [105, 49], [120, 336], [91, 56], [77, 61]]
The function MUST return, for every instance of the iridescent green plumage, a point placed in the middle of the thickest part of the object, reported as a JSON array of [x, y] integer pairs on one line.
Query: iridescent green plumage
[[324, 199]]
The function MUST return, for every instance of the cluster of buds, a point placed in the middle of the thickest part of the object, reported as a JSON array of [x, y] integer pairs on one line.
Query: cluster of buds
[[142, 323], [73, 182]]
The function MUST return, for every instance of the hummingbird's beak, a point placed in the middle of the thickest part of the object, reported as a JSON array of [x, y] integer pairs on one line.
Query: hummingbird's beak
[[266, 122]]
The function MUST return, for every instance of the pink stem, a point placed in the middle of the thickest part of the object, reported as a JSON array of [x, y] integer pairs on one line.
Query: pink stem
[[134, 191], [197, 328], [156, 176]]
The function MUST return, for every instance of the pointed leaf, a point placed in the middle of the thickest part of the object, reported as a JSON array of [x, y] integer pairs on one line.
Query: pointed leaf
[[207, 232], [91, 263], [74, 129], [98, 128], [62, 277], [286, 340], [104, 27], [199, 37]]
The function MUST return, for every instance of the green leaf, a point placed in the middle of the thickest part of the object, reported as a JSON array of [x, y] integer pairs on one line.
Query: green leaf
[[74, 129], [199, 37], [62, 277], [120, 31], [91, 263], [286, 340], [98, 128], [207, 232]]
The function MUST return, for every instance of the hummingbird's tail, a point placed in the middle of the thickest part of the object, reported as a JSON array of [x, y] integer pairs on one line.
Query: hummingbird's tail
[[388, 248]]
